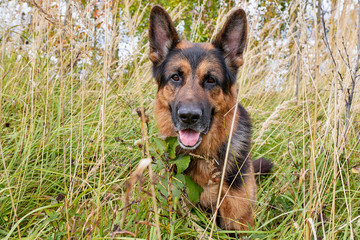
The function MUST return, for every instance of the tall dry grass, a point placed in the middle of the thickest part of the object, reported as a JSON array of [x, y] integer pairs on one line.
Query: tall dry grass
[[70, 133]]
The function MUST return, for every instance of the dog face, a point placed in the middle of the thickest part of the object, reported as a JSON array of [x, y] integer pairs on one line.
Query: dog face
[[196, 81]]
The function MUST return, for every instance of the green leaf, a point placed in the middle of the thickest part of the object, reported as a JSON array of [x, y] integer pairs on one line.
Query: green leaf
[[163, 184], [160, 145], [158, 166], [182, 163], [179, 180], [193, 189], [176, 193], [172, 144], [178, 183]]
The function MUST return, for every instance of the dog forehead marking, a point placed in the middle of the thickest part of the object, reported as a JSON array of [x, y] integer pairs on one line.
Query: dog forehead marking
[[210, 65], [186, 44], [177, 64]]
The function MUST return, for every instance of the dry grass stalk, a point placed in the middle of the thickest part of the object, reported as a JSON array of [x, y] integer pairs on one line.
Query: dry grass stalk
[[273, 117]]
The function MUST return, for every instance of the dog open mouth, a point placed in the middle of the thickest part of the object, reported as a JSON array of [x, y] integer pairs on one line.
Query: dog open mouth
[[189, 139]]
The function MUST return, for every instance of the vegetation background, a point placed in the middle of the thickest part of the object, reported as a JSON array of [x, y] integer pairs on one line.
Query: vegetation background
[[74, 73]]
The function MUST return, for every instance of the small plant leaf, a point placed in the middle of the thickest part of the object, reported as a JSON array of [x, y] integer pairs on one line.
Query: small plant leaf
[[179, 180], [193, 189], [175, 191], [162, 186], [160, 146], [178, 184], [158, 166], [182, 163], [172, 144]]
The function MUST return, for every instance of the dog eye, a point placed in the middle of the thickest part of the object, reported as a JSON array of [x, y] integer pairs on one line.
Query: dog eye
[[210, 80], [175, 77]]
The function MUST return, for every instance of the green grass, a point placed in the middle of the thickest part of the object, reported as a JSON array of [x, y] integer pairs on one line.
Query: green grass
[[69, 144]]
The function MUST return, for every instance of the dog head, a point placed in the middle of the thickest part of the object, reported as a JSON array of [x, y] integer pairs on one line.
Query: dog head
[[196, 81]]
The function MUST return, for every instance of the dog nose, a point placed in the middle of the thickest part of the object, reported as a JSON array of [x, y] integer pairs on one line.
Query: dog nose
[[189, 115]]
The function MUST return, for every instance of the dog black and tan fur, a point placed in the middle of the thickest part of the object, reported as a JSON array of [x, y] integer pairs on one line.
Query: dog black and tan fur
[[196, 102]]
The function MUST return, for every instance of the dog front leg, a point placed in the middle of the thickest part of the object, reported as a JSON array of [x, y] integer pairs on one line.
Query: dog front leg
[[236, 205]]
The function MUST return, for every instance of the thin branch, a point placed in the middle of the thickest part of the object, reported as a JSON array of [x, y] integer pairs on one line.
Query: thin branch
[[358, 46], [351, 91], [327, 45]]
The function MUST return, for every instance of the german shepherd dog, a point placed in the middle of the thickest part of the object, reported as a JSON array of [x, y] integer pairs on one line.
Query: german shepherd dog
[[196, 102]]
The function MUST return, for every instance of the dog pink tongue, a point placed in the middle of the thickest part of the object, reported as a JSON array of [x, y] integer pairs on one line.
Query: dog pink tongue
[[189, 137]]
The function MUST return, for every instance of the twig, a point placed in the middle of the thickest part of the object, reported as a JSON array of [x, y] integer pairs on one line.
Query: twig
[[53, 20], [353, 77], [349, 92], [327, 45]]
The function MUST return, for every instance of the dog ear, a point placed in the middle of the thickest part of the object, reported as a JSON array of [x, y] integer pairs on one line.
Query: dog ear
[[232, 39], [162, 34]]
